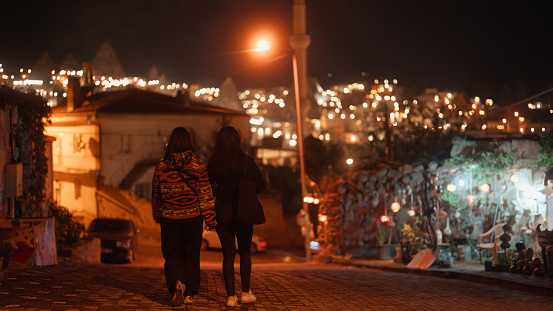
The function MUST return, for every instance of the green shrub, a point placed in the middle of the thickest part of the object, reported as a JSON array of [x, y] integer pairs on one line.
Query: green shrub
[[68, 231]]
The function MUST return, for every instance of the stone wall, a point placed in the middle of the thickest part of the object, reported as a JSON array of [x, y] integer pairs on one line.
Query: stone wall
[[354, 202]]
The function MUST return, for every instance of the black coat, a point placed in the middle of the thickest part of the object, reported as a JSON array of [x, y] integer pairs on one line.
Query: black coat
[[225, 188]]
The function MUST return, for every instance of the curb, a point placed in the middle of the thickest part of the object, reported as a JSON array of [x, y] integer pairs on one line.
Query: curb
[[491, 279]]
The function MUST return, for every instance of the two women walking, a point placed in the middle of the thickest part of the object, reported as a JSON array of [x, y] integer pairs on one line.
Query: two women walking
[[183, 191]]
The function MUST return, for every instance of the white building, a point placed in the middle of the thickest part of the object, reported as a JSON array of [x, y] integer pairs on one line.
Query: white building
[[111, 141]]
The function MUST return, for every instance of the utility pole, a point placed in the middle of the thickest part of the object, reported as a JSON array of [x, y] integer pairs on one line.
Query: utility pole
[[299, 41]]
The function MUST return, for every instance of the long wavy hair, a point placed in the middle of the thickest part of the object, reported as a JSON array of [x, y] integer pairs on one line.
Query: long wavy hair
[[180, 141], [228, 156]]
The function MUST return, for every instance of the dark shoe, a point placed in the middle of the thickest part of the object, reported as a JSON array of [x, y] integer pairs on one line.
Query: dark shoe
[[178, 297]]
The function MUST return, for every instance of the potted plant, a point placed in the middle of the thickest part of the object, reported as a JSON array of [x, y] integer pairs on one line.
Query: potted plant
[[412, 239], [7, 248], [445, 258], [384, 249]]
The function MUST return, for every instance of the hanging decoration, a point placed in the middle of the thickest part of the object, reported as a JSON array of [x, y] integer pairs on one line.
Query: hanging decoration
[[485, 188], [396, 206], [447, 229], [470, 198]]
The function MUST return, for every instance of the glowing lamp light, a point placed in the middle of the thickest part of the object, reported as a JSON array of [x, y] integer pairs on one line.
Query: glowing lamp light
[[395, 206], [322, 218], [349, 161], [470, 198], [263, 46], [451, 187], [514, 178], [385, 218], [411, 213], [485, 188]]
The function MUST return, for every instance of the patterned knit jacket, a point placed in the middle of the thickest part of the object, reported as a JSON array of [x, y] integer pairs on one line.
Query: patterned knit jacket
[[181, 189]]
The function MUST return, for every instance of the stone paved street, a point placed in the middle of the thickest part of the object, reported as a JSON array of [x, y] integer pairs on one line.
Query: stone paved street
[[278, 286]]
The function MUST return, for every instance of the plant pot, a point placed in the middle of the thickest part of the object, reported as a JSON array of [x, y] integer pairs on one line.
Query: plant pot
[[488, 266], [386, 251], [500, 268]]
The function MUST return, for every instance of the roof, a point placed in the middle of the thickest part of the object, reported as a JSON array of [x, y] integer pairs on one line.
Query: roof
[[135, 101]]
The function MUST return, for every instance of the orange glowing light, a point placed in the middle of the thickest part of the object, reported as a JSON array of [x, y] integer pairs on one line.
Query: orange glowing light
[[395, 207], [263, 45], [485, 188]]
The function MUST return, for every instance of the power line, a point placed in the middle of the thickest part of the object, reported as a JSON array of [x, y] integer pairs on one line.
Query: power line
[[523, 101]]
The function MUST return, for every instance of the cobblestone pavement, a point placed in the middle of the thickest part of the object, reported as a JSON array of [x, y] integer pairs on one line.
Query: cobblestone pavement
[[278, 286]]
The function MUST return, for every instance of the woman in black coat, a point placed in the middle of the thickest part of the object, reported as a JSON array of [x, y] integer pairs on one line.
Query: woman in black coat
[[228, 165]]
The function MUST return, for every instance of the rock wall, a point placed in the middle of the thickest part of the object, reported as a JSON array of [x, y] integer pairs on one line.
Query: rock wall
[[354, 202]]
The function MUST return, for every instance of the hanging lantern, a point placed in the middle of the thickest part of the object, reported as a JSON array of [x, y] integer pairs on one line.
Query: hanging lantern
[[514, 178], [396, 206], [485, 188], [411, 213], [322, 218], [385, 218], [470, 198], [451, 187]]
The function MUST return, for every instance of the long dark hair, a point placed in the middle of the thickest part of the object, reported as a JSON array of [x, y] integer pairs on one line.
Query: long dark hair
[[228, 155], [180, 141]]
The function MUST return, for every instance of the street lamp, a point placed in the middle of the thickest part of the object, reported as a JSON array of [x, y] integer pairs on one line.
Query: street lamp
[[299, 41]]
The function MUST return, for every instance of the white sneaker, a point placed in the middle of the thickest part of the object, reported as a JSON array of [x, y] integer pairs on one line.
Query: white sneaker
[[232, 301], [248, 297]]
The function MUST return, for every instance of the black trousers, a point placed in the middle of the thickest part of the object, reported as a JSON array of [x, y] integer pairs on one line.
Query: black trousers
[[243, 234], [181, 240]]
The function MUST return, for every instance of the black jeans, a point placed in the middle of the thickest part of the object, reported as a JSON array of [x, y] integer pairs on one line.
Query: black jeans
[[181, 240], [243, 233]]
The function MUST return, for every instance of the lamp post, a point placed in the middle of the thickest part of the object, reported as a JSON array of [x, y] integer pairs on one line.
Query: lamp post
[[299, 41]]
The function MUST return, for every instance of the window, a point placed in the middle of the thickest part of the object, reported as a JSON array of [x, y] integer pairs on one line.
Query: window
[[125, 144], [78, 143], [57, 191], [77, 189]]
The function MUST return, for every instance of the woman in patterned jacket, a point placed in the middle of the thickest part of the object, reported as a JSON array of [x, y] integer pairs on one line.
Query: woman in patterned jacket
[[181, 201]]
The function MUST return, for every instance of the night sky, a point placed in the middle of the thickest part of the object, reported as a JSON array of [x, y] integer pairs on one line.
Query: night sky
[[478, 46]]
